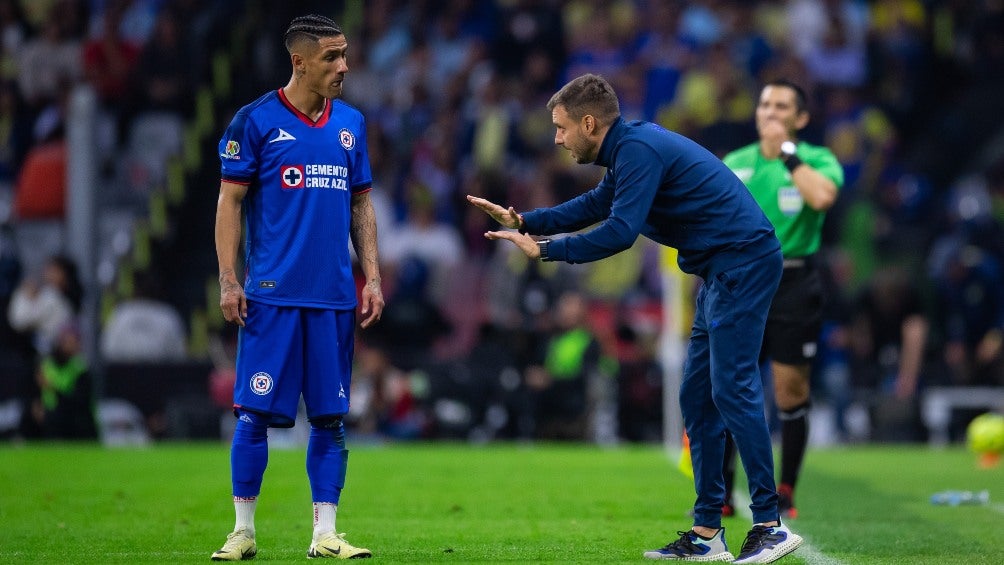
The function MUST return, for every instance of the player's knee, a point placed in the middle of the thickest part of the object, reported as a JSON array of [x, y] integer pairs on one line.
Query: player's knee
[[790, 389], [795, 412], [326, 422], [250, 420]]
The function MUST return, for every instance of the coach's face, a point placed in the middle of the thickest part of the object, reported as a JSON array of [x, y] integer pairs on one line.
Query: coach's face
[[325, 68], [575, 135]]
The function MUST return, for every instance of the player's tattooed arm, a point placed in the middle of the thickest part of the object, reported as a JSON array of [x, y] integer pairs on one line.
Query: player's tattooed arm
[[233, 303], [363, 230]]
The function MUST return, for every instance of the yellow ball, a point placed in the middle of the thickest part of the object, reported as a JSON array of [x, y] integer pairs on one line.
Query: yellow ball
[[985, 434]]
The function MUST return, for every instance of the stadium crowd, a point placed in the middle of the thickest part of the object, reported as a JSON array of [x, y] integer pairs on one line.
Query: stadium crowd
[[907, 94]]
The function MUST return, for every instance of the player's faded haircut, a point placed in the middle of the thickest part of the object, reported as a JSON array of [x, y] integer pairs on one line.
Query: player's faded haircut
[[588, 95], [801, 101], [311, 27]]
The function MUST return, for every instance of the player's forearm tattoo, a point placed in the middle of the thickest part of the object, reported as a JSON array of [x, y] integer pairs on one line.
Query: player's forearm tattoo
[[363, 230], [228, 280]]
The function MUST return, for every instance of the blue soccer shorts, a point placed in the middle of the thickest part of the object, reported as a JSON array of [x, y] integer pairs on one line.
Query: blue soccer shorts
[[283, 352]]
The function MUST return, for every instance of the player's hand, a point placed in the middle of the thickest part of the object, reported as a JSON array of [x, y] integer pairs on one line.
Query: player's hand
[[233, 303], [525, 243], [505, 216], [371, 303]]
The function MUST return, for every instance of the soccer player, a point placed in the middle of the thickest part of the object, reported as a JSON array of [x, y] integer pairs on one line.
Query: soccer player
[[795, 183], [295, 160], [670, 189]]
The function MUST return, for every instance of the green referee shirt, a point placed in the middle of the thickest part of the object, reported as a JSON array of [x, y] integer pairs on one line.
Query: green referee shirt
[[798, 226]]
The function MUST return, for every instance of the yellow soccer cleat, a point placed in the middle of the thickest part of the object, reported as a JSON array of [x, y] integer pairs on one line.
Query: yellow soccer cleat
[[332, 545], [239, 546]]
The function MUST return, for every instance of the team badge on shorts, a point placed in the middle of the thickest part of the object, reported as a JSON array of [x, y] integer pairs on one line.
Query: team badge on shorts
[[292, 176], [261, 383], [347, 139]]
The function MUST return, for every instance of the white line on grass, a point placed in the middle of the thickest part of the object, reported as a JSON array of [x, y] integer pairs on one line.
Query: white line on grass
[[807, 551]]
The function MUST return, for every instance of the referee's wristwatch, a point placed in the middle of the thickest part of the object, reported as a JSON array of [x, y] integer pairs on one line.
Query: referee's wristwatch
[[789, 156]]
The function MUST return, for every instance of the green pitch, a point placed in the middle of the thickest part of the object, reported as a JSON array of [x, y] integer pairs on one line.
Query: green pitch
[[452, 503]]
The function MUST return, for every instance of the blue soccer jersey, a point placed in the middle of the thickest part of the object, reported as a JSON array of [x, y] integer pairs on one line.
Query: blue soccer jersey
[[301, 175]]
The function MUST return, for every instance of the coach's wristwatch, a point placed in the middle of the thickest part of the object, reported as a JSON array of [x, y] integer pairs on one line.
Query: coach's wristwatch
[[542, 246], [788, 156]]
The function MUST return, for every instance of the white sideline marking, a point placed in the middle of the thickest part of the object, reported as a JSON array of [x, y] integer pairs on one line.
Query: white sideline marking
[[806, 551]]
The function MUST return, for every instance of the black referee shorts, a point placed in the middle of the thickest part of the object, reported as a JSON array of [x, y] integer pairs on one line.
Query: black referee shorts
[[796, 314]]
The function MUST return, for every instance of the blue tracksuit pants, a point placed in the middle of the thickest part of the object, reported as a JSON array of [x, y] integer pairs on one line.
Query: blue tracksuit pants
[[722, 389]]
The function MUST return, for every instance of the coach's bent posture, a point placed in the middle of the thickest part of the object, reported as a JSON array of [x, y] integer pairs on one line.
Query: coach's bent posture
[[296, 307], [668, 188]]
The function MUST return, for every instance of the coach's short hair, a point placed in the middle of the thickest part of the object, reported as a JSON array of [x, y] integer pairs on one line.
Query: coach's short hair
[[588, 94], [311, 27]]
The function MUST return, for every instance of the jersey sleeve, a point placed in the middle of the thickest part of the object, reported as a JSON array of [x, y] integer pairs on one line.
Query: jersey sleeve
[[239, 150], [634, 182], [361, 177], [826, 164]]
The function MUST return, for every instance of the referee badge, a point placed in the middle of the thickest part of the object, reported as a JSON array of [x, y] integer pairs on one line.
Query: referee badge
[[347, 139]]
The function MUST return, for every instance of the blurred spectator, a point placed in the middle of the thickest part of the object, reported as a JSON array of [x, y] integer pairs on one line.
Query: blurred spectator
[[810, 21], [135, 23], [489, 119], [640, 384], [144, 328], [64, 408], [972, 297], [888, 342], [435, 243], [564, 389], [13, 31], [15, 133], [595, 42], [528, 29], [837, 60], [386, 36], [109, 58], [412, 322], [40, 189], [163, 79], [43, 305], [383, 404], [832, 372], [16, 352], [664, 53], [716, 90], [50, 61]]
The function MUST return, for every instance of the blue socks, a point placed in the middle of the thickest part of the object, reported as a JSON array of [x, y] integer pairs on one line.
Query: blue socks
[[327, 460], [249, 455]]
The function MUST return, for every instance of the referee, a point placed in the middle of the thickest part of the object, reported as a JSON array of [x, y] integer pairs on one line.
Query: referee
[[795, 183]]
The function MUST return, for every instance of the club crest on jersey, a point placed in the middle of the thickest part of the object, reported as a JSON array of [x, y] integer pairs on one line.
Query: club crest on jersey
[[261, 383], [347, 138], [292, 176], [232, 150]]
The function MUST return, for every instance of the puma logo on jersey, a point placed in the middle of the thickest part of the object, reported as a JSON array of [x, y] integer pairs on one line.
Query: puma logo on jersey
[[283, 136]]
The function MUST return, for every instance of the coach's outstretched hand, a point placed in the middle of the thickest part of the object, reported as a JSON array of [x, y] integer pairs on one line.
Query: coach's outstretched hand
[[507, 217], [510, 219]]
